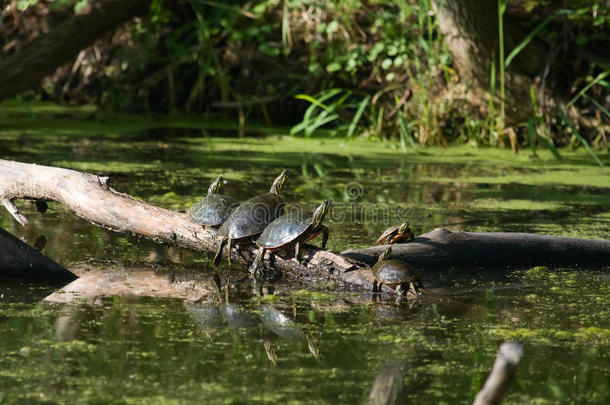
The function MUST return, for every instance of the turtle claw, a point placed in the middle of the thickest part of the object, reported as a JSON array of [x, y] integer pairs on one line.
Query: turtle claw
[[212, 232]]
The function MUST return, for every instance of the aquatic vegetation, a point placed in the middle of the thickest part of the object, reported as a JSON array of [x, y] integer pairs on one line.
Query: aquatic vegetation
[[137, 350]]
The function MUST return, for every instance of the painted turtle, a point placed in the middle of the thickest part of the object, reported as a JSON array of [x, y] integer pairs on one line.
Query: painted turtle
[[291, 230], [213, 209], [395, 274], [250, 219], [396, 234]]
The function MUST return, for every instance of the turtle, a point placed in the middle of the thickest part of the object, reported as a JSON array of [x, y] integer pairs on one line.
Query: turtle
[[248, 220], [289, 230], [213, 209], [395, 274], [396, 234]]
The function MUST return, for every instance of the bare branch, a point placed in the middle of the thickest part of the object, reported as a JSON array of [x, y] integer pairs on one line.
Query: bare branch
[[502, 374]]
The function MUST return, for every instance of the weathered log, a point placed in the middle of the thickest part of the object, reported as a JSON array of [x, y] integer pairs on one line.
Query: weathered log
[[19, 260], [91, 198]]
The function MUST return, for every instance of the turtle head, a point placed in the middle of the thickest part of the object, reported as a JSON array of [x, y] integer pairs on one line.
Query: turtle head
[[403, 228], [278, 183], [385, 255], [215, 186], [320, 213]]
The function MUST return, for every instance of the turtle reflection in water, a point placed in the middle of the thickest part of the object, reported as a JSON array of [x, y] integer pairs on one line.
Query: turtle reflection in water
[[395, 274], [211, 317], [396, 234], [285, 328]]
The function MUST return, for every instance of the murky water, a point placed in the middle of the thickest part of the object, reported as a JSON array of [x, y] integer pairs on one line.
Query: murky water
[[303, 345]]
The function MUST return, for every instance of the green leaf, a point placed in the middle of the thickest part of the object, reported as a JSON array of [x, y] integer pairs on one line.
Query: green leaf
[[532, 34], [599, 77], [352, 126], [404, 133], [580, 138], [531, 134], [387, 63], [333, 67]]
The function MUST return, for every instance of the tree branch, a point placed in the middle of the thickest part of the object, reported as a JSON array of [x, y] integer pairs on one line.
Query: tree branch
[[46, 53], [501, 375]]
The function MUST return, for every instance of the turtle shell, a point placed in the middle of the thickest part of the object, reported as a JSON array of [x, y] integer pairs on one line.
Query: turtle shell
[[394, 272], [283, 230], [212, 210], [391, 231], [252, 216]]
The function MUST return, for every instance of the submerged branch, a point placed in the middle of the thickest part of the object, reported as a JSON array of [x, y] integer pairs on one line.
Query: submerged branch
[[502, 374], [91, 198]]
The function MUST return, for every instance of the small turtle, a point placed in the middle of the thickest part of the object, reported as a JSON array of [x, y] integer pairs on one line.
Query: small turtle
[[395, 274], [213, 209], [248, 220], [291, 230], [396, 234]]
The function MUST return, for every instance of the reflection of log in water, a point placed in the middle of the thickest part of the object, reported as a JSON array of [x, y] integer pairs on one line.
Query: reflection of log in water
[[388, 387], [90, 197]]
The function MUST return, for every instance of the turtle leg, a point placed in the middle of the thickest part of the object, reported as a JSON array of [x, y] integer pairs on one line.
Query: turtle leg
[[218, 284], [375, 286], [270, 351], [399, 290], [212, 231], [218, 256], [229, 251], [312, 348], [412, 288], [324, 231], [297, 252], [255, 267]]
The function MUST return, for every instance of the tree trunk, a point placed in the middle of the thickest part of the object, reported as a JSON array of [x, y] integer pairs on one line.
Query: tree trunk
[[46, 53], [470, 28], [435, 253]]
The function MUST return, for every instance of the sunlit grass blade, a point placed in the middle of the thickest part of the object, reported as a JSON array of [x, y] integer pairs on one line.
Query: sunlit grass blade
[[531, 134], [361, 107], [599, 77], [404, 133], [582, 140], [532, 34], [598, 105], [324, 117], [319, 122], [315, 103]]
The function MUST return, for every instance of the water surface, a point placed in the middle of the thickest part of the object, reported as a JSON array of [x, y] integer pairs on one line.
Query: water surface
[[303, 344]]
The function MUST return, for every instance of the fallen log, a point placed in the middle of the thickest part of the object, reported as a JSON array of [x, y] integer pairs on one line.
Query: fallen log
[[91, 198]]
